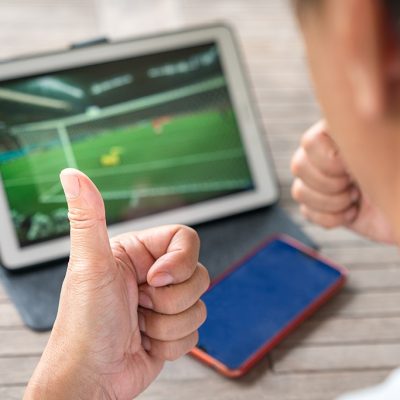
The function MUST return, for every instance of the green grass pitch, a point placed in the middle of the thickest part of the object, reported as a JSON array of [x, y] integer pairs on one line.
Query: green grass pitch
[[196, 157]]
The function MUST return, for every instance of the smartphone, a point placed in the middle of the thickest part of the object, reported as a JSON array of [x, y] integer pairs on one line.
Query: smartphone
[[260, 300]]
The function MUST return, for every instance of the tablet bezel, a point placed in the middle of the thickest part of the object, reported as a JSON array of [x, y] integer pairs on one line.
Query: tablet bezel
[[266, 191]]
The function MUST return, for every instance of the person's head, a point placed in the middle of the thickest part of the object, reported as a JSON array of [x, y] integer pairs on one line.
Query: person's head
[[353, 48]]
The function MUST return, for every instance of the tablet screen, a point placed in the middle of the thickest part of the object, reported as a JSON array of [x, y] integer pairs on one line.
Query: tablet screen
[[154, 132]]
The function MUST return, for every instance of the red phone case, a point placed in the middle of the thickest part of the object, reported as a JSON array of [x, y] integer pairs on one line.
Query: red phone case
[[306, 313]]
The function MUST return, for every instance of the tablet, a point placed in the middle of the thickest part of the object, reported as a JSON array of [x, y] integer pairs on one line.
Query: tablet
[[164, 126]]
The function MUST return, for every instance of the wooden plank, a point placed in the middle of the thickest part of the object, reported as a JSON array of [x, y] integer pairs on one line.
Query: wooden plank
[[274, 65], [372, 254], [275, 386], [378, 278], [22, 32], [338, 237], [346, 331], [296, 126], [22, 342], [3, 294], [9, 316], [336, 358], [277, 144], [186, 368], [12, 392], [361, 305], [16, 370], [281, 110], [267, 386], [285, 95]]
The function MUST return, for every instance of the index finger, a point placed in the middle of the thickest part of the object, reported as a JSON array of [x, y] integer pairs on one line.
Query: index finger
[[322, 151], [175, 249], [171, 251], [159, 256]]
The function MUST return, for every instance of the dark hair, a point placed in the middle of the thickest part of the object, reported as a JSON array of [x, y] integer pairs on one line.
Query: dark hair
[[392, 6]]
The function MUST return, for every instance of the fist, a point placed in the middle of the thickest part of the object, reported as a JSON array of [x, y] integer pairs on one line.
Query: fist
[[127, 304], [322, 185], [326, 192]]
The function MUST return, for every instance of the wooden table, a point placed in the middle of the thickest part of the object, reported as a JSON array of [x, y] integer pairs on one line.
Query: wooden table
[[355, 340]]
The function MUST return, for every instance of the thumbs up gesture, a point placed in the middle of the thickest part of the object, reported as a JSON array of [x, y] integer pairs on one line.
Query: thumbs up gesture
[[127, 304]]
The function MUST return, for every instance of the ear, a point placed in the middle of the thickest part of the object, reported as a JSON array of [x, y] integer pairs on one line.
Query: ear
[[367, 53]]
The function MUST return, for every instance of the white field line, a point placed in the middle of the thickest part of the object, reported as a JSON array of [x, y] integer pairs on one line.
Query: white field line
[[129, 106], [32, 99], [166, 190], [67, 146], [48, 194], [141, 167]]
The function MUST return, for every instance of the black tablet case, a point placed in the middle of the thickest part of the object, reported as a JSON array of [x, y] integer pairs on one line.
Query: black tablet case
[[36, 291]]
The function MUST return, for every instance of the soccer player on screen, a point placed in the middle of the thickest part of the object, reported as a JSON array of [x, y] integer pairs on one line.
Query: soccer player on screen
[[158, 124]]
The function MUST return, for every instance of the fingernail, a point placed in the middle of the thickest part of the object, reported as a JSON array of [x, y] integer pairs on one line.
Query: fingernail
[[146, 343], [141, 322], [70, 184], [350, 214], [161, 279], [354, 195], [145, 300]]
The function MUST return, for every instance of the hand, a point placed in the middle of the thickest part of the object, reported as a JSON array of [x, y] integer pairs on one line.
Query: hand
[[126, 305], [326, 191]]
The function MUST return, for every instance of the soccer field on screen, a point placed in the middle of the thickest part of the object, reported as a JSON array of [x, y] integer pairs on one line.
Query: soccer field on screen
[[150, 166]]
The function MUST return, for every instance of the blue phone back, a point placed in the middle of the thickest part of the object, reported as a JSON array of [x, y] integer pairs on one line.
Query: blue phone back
[[254, 303]]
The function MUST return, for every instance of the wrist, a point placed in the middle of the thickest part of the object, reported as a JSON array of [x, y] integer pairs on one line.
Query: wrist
[[63, 374]]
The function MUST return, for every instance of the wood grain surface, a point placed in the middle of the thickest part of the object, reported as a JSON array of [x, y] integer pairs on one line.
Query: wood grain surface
[[352, 342]]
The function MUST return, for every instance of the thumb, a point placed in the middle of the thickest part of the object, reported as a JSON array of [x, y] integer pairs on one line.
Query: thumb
[[90, 246]]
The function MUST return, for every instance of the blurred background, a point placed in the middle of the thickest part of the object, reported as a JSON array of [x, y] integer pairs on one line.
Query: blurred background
[[352, 342], [266, 30]]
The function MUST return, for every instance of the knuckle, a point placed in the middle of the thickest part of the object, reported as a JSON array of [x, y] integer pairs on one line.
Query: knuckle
[[306, 140], [341, 201], [328, 223], [332, 167], [174, 300], [171, 351], [157, 326], [192, 234], [170, 305], [83, 282], [202, 312], [182, 347], [304, 211], [76, 279], [195, 340], [338, 185], [296, 163], [296, 190], [83, 218], [204, 277], [310, 138], [316, 139]]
